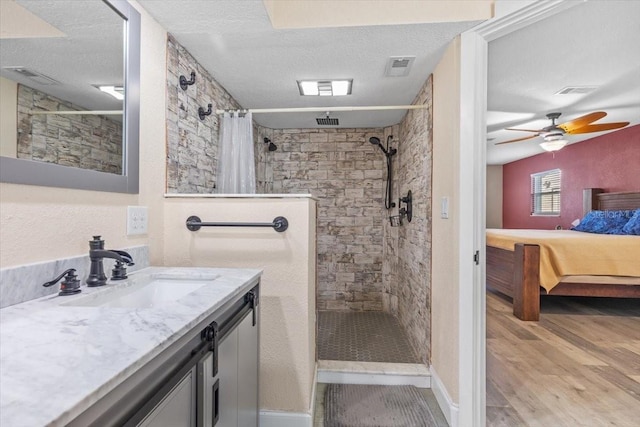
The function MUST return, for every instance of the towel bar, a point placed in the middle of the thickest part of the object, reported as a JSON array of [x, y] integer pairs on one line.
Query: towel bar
[[279, 224]]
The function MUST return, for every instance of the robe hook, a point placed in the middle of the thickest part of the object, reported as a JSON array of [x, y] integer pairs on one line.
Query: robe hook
[[202, 114], [184, 83]]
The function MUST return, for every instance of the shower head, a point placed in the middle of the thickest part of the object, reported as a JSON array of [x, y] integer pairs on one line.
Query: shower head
[[376, 141], [272, 146]]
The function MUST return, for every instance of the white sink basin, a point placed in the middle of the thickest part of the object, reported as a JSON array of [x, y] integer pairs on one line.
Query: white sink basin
[[145, 291]]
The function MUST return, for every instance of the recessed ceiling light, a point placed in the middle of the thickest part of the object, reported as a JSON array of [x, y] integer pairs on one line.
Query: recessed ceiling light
[[324, 87], [576, 90], [116, 91]]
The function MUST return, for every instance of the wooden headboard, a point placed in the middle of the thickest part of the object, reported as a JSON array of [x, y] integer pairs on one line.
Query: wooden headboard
[[597, 199]]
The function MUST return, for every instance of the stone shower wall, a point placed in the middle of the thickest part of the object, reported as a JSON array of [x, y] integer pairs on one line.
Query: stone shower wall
[[192, 144], [82, 141], [407, 249], [346, 173], [264, 159], [363, 263]]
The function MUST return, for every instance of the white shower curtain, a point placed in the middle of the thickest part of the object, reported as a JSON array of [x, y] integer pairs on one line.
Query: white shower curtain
[[236, 167]]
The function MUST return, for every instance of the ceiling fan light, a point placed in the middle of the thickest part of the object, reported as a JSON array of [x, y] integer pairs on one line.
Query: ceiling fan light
[[553, 145]]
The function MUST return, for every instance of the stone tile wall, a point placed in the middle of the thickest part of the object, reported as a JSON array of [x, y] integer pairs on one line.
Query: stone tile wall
[[264, 159], [407, 249], [341, 169], [192, 144], [363, 263], [82, 141]]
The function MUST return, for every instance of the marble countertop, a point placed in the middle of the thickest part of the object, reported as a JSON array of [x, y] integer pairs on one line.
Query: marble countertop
[[57, 360]]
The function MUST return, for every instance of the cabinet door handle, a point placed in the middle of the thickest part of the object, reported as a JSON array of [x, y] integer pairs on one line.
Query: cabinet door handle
[[215, 395], [252, 298]]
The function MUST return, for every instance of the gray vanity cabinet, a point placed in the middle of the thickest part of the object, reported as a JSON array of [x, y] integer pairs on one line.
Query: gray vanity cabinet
[[208, 378], [237, 381], [248, 351], [178, 408], [228, 377]]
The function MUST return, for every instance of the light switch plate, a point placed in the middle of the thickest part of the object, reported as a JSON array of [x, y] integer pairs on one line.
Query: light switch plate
[[137, 220], [444, 208]]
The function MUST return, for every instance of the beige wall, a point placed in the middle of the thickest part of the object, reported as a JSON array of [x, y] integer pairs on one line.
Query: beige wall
[[42, 223], [8, 117], [494, 196], [152, 130], [445, 281], [287, 335]]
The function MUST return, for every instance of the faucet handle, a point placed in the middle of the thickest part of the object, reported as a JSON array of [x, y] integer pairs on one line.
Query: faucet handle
[[69, 286], [119, 271]]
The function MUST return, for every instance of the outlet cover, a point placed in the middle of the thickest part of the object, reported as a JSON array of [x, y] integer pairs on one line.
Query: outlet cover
[[137, 220]]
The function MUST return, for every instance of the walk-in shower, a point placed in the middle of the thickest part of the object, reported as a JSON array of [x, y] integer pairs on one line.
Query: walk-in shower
[[389, 153]]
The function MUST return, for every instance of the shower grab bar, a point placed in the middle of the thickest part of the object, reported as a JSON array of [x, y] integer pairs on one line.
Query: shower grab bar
[[279, 224]]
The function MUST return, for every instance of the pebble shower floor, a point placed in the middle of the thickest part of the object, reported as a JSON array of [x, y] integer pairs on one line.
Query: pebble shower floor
[[369, 336]]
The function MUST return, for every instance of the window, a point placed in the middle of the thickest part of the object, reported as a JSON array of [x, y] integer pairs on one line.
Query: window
[[545, 193]]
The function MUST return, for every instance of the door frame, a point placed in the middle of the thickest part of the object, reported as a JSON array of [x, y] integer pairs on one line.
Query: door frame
[[472, 196]]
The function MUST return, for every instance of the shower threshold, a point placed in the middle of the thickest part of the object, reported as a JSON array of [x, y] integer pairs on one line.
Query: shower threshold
[[366, 348], [380, 373]]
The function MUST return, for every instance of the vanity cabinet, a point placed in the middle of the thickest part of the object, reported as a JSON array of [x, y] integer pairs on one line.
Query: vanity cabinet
[[233, 392], [178, 408], [209, 378]]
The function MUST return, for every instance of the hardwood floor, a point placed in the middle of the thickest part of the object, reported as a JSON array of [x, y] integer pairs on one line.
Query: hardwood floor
[[578, 366]]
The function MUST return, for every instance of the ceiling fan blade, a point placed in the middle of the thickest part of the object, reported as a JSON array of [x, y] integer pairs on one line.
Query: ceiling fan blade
[[516, 140], [599, 127], [525, 130], [581, 121]]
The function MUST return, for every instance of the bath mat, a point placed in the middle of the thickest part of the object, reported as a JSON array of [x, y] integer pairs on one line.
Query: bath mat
[[349, 405]]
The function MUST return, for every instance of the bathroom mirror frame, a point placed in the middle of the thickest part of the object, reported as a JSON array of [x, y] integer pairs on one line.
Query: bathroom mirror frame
[[22, 171]]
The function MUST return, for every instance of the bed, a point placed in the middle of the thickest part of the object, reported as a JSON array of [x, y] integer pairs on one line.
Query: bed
[[517, 272]]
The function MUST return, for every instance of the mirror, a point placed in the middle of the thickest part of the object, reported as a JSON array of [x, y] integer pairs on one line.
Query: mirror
[[65, 131]]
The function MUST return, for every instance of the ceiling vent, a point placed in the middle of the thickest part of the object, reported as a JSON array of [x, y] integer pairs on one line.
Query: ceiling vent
[[32, 75], [399, 66], [327, 121], [576, 90]]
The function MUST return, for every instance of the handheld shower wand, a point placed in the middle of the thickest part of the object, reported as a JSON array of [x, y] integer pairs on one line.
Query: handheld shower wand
[[388, 152], [376, 141]]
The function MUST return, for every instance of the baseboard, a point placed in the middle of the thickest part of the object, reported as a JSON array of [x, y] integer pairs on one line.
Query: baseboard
[[285, 419], [314, 385], [447, 406], [292, 419]]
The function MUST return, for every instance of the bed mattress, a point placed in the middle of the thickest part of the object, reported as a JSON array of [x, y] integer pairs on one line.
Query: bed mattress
[[567, 253]]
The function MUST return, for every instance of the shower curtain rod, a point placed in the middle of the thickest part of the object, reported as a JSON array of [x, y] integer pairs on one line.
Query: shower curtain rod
[[326, 109], [80, 112]]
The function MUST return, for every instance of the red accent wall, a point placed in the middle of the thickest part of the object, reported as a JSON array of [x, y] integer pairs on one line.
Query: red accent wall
[[610, 162]]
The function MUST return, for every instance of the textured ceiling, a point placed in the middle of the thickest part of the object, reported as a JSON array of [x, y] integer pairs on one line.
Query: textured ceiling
[[91, 53], [594, 43], [259, 65]]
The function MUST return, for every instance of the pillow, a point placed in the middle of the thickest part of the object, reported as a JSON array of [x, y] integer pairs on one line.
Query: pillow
[[633, 225], [604, 222]]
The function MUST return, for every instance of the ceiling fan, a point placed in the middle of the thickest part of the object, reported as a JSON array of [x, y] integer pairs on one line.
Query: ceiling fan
[[553, 135]]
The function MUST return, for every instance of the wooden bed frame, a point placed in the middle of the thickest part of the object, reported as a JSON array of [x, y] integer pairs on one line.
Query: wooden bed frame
[[516, 273]]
